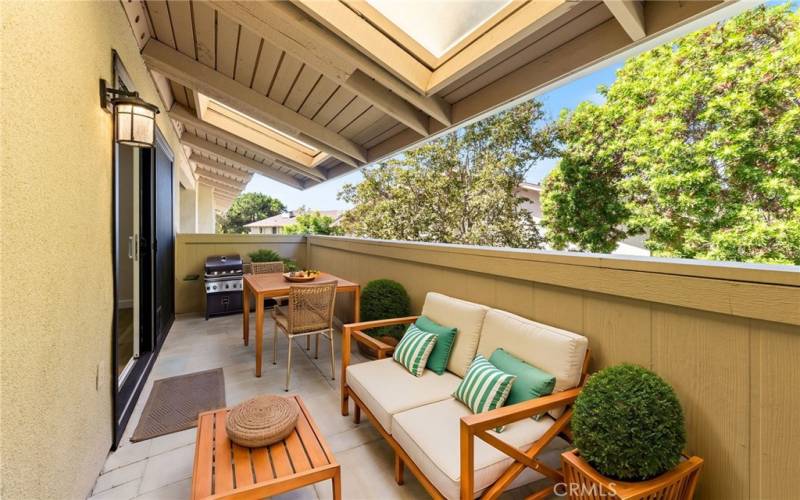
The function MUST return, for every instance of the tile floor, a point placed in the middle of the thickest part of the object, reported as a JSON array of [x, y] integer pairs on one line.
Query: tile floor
[[161, 468]]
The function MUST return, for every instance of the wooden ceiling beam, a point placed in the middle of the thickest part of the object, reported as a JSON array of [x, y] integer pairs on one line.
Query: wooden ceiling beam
[[203, 171], [388, 102], [241, 161], [630, 15], [220, 168], [199, 77], [218, 186], [287, 27], [183, 115]]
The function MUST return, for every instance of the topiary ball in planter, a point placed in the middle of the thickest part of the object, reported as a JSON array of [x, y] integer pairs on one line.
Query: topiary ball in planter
[[628, 423], [383, 299]]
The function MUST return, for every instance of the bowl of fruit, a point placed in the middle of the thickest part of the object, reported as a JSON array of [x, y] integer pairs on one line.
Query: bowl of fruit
[[303, 276]]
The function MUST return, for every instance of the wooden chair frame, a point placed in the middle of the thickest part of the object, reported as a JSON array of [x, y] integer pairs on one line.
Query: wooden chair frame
[[472, 426]]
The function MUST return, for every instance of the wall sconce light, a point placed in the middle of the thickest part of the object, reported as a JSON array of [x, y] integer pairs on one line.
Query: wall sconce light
[[134, 118]]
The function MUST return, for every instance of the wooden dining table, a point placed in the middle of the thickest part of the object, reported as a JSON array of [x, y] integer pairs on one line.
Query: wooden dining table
[[270, 285]]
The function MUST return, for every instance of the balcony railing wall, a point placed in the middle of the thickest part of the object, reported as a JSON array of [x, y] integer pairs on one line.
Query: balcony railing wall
[[191, 251], [726, 336]]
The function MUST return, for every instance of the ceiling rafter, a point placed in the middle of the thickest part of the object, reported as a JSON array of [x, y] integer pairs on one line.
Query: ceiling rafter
[[630, 15], [183, 115], [218, 167], [199, 77], [221, 186], [288, 28], [241, 161], [208, 173]]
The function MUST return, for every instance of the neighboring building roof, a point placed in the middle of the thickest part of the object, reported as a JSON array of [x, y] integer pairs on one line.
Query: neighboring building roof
[[290, 217]]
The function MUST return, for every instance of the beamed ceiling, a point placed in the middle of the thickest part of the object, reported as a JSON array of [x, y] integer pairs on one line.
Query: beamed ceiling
[[305, 91]]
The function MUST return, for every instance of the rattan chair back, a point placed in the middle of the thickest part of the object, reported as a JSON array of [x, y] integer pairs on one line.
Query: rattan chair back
[[266, 267], [311, 307]]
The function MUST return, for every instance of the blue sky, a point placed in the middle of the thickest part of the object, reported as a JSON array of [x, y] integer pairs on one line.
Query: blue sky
[[323, 197]]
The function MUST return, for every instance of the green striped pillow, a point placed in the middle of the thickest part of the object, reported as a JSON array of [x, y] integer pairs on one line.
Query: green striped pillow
[[484, 387], [414, 349]]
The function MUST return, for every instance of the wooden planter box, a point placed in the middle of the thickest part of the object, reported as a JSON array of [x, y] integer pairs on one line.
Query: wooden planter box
[[582, 481]]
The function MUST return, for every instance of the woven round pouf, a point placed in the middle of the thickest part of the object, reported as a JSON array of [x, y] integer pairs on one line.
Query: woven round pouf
[[261, 421]]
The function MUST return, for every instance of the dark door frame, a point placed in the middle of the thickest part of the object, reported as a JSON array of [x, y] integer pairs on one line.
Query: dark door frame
[[124, 397]]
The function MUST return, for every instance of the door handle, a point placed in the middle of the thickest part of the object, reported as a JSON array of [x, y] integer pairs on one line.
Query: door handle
[[130, 247]]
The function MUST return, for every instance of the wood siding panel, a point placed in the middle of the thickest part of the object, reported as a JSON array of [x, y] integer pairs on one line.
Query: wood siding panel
[[288, 72], [338, 101], [227, 43], [319, 95], [705, 357], [267, 66], [160, 21], [306, 81], [558, 306], [247, 56], [181, 15], [774, 423], [205, 33], [618, 330]]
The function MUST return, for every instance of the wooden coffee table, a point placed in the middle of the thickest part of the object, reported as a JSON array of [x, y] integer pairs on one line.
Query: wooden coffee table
[[223, 469]]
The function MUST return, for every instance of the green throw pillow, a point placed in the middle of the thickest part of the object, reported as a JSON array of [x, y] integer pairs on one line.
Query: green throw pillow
[[531, 382], [413, 350], [484, 387], [446, 337]]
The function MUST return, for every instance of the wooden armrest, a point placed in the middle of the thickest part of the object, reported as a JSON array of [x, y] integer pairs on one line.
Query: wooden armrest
[[369, 325], [365, 339], [508, 414]]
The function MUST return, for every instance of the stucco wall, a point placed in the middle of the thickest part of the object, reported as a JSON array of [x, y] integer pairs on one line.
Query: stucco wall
[[55, 249]]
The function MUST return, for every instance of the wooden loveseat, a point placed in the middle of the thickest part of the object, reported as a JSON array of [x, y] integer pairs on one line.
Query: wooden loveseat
[[434, 435]]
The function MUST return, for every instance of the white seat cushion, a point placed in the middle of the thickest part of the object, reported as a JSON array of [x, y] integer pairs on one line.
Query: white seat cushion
[[467, 317], [430, 436], [386, 388], [556, 351]]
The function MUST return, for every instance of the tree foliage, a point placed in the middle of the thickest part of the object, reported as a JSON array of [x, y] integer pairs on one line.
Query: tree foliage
[[456, 189], [697, 145], [247, 208], [312, 223]]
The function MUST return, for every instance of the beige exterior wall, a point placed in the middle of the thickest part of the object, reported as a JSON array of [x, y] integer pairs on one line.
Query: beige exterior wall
[[191, 251], [55, 219], [704, 327]]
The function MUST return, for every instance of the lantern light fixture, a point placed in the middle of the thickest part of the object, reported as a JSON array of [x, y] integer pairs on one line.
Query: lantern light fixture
[[134, 118]]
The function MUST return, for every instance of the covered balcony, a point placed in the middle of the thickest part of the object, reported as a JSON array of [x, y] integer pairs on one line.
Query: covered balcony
[[104, 243]]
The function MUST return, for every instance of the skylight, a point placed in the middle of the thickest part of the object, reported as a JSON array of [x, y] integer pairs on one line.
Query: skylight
[[436, 25]]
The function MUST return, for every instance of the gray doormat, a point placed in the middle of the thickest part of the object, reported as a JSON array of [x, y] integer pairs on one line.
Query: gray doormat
[[174, 403]]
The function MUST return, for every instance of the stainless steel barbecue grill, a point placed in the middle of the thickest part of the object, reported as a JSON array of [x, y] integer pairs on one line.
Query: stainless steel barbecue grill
[[223, 280]]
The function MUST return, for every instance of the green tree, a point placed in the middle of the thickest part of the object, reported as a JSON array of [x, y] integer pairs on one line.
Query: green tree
[[312, 223], [456, 189], [697, 145], [247, 208]]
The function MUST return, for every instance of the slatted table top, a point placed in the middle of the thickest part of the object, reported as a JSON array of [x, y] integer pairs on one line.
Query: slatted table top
[[223, 469]]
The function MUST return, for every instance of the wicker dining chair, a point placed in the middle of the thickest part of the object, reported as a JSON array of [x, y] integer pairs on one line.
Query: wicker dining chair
[[310, 312], [266, 267]]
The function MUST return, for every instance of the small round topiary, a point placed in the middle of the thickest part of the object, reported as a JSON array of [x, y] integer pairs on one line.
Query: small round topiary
[[383, 299], [628, 423]]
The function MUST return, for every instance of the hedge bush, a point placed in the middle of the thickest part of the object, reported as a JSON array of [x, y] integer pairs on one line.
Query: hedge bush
[[383, 299], [267, 255], [628, 423]]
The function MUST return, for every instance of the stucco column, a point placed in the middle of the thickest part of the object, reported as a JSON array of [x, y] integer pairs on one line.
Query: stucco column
[[188, 210], [206, 216]]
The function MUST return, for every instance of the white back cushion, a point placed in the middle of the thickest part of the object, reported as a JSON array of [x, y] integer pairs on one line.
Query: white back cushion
[[556, 351], [467, 317]]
